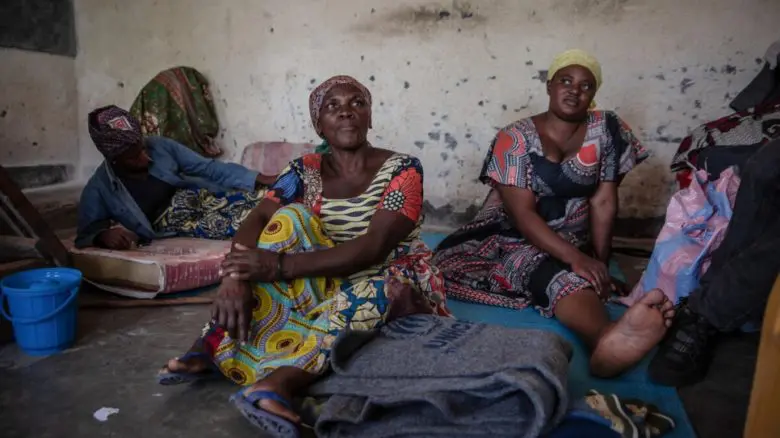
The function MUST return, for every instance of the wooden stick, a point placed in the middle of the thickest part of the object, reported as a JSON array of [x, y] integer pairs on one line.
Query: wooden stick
[[101, 303], [49, 242]]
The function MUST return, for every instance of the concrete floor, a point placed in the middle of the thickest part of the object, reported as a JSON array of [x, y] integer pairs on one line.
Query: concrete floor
[[119, 351], [717, 406], [113, 365]]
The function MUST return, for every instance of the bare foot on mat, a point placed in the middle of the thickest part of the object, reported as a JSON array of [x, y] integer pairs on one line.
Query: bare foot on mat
[[628, 340]]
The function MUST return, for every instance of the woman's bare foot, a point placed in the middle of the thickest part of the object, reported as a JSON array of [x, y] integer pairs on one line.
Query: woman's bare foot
[[193, 362], [625, 342], [405, 300], [196, 364], [273, 406]]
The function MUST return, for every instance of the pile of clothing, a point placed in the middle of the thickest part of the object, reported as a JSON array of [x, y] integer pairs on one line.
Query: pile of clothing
[[708, 164], [731, 140]]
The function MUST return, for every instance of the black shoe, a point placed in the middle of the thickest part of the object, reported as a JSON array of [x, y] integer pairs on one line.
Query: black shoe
[[686, 352]]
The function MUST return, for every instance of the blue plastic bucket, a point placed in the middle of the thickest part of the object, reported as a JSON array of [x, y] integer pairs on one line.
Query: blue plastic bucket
[[42, 304]]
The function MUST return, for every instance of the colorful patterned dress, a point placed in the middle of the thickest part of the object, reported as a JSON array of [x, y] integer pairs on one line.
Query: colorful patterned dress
[[177, 104], [295, 322], [205, 215], [488, 261]]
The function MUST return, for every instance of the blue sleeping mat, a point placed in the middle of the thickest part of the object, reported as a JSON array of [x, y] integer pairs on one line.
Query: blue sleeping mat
[[633, 384]]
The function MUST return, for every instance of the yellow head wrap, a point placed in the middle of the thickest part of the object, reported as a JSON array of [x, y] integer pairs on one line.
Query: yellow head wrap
[[576, 57]]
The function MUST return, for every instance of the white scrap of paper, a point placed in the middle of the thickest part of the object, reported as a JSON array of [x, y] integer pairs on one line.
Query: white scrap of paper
[[103, 413]]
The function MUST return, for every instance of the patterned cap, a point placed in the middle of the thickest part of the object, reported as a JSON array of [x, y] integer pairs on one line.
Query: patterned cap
[[113, 130], [316, 97]]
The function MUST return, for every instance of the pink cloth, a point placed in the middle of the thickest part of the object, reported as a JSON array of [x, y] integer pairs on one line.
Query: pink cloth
[[270, 158], [696, 222]]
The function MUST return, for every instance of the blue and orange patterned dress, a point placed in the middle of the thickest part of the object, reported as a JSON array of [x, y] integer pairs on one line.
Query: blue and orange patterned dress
[[295, 322], [488, 261]]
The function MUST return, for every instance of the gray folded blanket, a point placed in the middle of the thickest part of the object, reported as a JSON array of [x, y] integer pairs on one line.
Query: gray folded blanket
[[428, 376]]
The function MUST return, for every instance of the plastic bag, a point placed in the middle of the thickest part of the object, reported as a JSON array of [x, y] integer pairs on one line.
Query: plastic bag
[[696, 222]]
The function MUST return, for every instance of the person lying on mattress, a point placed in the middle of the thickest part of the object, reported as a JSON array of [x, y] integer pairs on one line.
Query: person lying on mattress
[[334, 245], [155, 187], [543, 235]]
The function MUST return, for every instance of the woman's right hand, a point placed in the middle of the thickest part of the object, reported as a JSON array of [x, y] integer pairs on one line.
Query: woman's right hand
[[117, 238], [595, 272], [233, 307]]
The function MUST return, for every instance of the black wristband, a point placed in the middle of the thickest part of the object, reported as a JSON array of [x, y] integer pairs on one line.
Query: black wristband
[[279, 272]]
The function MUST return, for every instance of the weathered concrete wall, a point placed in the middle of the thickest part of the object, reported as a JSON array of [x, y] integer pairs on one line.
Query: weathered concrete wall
[[38, 114], [445, 74]]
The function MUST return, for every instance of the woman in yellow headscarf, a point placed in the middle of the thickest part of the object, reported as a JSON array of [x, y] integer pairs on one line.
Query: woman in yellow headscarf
[[542, 237]]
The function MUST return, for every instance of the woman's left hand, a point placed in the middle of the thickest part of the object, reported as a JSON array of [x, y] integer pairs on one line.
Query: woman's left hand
[[251, 264]]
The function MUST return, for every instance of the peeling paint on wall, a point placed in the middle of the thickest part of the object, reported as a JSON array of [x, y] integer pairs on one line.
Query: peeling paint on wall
[[607, 10], [480, 64], [447, 214], [405, 19]]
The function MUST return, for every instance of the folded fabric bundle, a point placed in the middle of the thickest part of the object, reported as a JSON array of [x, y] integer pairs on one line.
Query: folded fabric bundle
[[428, 376]]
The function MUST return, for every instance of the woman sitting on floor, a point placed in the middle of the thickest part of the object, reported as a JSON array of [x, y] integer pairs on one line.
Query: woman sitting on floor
[[337, 248], [543, 235]]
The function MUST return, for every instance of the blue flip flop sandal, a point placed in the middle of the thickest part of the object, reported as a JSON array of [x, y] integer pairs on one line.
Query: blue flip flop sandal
[[277, 426], [177, 378]]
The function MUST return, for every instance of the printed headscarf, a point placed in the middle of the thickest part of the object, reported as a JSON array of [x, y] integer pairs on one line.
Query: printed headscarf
[[576, 57], [113, 130], [318, 95]]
